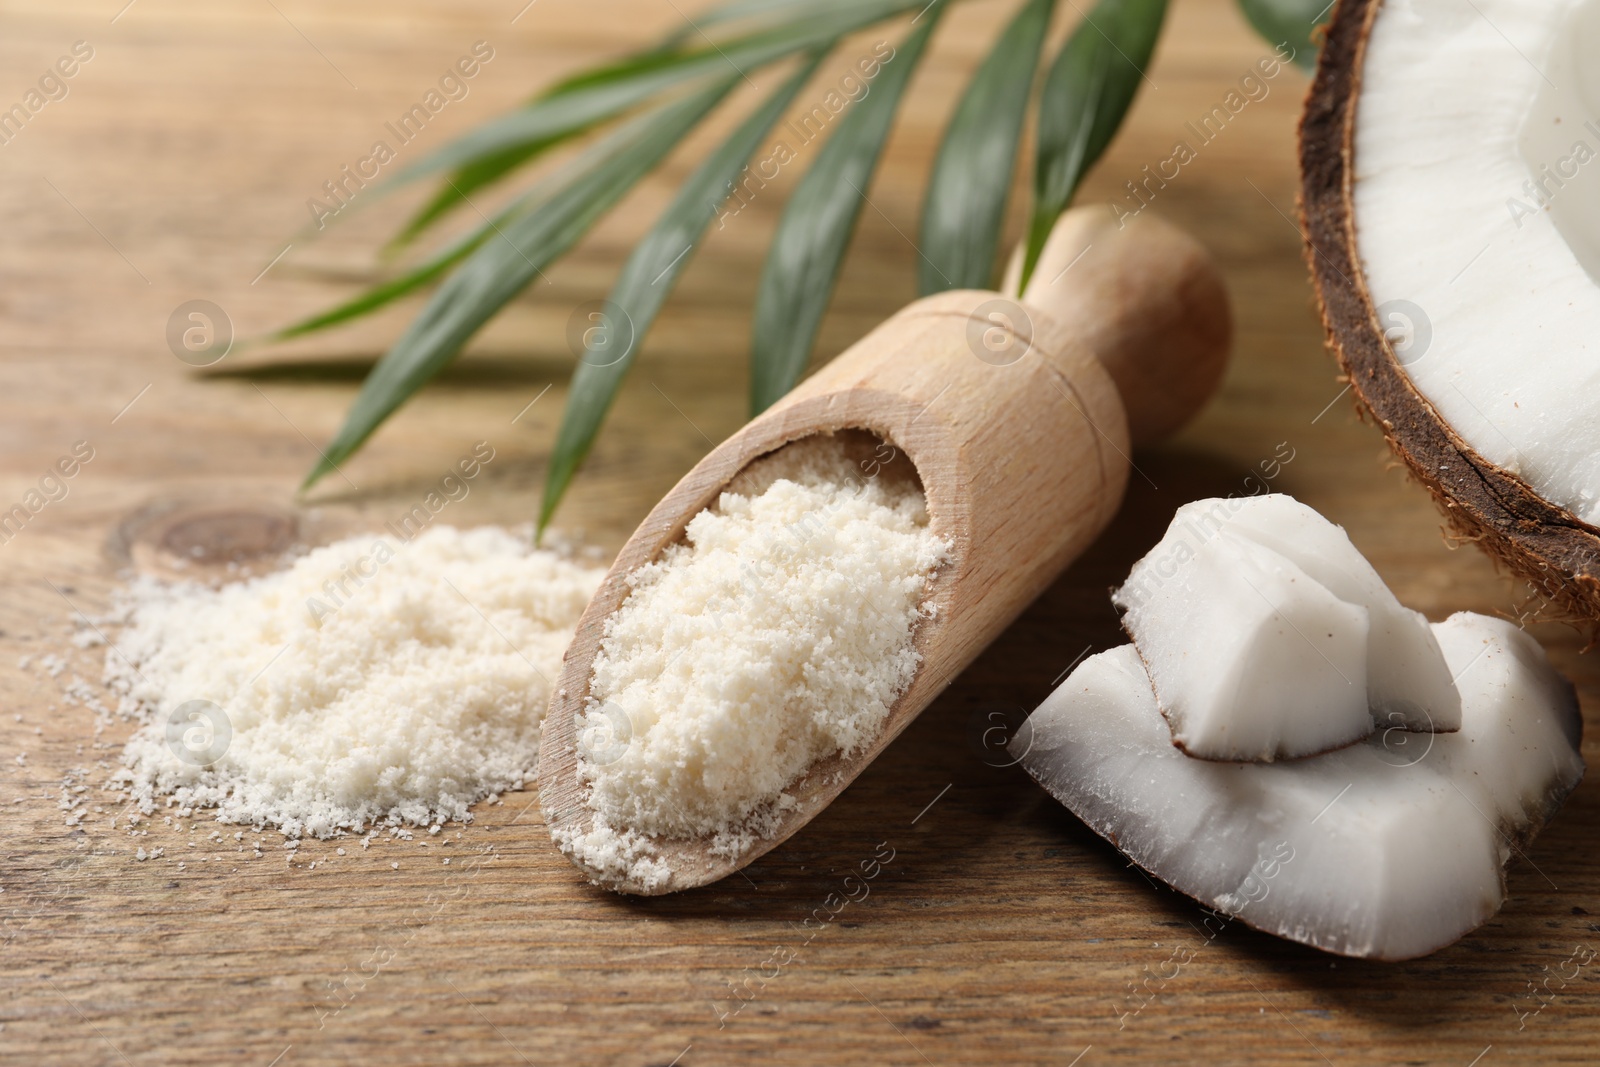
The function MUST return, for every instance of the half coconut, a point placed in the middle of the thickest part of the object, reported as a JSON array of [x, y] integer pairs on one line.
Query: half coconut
[[1450, 157]]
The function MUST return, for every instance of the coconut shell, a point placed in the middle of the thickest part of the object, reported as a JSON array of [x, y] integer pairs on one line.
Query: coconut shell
[[1554, 550]]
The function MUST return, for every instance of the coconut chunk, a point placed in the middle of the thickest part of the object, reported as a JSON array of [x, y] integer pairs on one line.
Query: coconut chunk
[[1183, 601], [1534, 762], [1382, 849], [1251, 657], [1408, 684]]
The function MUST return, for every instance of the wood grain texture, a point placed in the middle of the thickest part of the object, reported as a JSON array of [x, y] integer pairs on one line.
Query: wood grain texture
[[1000, 932]]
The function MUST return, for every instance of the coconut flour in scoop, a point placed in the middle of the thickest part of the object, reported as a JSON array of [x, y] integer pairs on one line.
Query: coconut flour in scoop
[[776, 633]]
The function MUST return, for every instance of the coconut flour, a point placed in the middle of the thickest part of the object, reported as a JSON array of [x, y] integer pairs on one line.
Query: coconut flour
[[370, 683], [778, 632]]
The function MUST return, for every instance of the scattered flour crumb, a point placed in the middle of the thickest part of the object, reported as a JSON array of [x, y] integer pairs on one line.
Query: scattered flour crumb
[[370, 683]]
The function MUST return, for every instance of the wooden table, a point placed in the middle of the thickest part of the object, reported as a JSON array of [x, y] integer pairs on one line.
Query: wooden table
[[1002, 931]]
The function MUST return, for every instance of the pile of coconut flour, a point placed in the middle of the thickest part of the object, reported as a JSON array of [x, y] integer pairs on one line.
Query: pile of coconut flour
[[777, 633], [370, 683]]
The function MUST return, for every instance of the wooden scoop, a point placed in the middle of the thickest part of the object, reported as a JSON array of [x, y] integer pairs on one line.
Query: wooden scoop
[[1020, 440]]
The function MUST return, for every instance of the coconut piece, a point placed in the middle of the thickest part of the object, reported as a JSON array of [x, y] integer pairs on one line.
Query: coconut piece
[[1226, 685], [1252, 658], [1380, 849], [1450, 163], [1408, 684]]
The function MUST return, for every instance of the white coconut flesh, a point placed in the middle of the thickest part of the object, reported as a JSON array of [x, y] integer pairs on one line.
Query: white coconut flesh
[[1269, 636], [1477, 209], [1389, 849], [1408, 684]]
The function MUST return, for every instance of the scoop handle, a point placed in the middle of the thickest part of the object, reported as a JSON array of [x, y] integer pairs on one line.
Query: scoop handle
[[1147, 299]]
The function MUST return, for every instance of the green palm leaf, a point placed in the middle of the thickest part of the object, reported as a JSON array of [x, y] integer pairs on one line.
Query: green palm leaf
[[1085, 96], [1086, 93], [392, 290], [751, 11], [460, 186], [966, 201], [582, 102], [1289, 22], [646, 280], [500, 269], [810, 241]]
